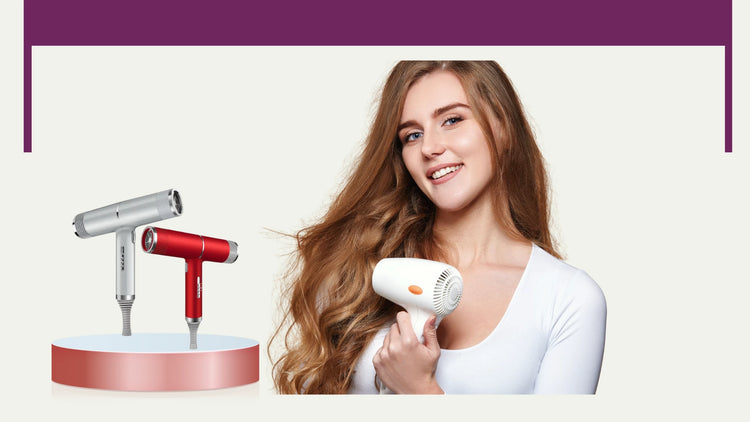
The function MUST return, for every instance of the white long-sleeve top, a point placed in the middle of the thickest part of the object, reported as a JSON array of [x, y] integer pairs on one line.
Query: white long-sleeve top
[[550, 340]]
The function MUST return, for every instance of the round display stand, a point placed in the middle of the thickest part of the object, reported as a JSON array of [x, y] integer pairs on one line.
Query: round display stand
[[155, 362]]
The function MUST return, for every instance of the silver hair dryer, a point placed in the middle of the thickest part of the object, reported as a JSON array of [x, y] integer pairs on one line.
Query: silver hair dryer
[[122, 218]]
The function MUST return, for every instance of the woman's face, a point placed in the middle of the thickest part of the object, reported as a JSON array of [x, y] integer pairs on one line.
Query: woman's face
[[444, 148]]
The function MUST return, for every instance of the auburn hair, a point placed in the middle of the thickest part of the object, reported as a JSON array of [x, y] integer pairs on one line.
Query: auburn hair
[[331, 312]]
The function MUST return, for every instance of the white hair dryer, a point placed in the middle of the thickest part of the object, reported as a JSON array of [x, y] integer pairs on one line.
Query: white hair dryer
[[420, 286]]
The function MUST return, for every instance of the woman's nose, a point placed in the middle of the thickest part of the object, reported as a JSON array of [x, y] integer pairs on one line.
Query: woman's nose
[[432, 145]]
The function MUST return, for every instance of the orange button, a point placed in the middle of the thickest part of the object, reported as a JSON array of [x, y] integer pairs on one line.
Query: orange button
[[415, 289]]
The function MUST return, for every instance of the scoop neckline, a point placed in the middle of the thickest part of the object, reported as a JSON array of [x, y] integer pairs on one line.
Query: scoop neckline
[[508, 310]]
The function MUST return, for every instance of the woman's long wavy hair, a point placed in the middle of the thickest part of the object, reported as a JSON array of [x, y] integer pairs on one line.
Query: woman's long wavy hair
[[331, 311]]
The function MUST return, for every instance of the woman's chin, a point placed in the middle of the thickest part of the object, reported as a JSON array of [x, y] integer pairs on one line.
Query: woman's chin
[[451, 207], [461, 202]]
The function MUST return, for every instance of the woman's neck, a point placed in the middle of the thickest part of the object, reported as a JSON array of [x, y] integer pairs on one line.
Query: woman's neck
[[475, 236]]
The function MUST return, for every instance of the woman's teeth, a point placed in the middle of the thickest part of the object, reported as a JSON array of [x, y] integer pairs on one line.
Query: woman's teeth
[[443, 171]]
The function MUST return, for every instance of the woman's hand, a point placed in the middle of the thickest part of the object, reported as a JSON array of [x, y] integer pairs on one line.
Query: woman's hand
[[405, 365]]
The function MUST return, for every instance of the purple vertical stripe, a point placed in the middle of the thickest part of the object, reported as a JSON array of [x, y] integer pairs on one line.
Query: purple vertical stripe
[[728, 96], [26, 78], [383, 22]]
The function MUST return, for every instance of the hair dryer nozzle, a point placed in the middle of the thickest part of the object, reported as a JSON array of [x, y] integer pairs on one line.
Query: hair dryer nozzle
[[149, 239], [175, 202], [233, 252], [448, 290]]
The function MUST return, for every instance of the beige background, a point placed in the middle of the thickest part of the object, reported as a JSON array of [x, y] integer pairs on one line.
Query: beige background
[[258, 139]]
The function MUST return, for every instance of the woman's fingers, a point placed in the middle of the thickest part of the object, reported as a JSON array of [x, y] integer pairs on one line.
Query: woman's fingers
[[403, 363], [408, 336]]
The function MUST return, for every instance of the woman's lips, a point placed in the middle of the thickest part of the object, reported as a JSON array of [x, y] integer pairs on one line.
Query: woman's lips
[[443, 173]]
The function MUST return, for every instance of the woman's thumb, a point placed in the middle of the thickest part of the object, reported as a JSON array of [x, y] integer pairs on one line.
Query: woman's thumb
[[430, 333]]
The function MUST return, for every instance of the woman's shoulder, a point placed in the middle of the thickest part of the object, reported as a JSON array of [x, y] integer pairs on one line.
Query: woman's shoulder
[[562, 280]]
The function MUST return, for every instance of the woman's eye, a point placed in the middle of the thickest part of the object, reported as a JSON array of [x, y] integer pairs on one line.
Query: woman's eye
[[451, 121], [412, 137]]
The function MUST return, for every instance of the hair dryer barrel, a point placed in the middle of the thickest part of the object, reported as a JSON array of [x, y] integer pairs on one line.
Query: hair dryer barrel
[[187, 245], [131, 213]]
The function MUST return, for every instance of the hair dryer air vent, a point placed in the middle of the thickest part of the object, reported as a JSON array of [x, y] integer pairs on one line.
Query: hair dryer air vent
[[176, 202], [447, 293]]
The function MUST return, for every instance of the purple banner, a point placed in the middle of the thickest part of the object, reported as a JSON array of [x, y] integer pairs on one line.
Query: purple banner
[[384, 22]]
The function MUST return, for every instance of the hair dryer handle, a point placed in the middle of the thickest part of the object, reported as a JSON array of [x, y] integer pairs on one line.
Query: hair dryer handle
[[419, 318], [125, 257], [193, 289]]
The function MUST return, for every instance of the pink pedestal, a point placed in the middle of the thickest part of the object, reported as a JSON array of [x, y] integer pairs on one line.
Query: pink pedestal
[[155, 362]]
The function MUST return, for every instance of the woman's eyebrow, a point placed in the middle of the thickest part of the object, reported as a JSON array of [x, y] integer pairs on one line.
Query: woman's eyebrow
[[405, 125], [437, 112], [448, 107]]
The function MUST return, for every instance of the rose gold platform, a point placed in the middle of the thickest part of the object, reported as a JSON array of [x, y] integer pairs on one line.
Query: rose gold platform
[[155, 362]]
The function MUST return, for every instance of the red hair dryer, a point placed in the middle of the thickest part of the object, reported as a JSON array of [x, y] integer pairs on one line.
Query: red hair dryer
[[195, 249]]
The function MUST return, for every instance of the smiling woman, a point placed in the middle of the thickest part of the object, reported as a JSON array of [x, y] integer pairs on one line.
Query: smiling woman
[[441, 140], [450, 172]]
